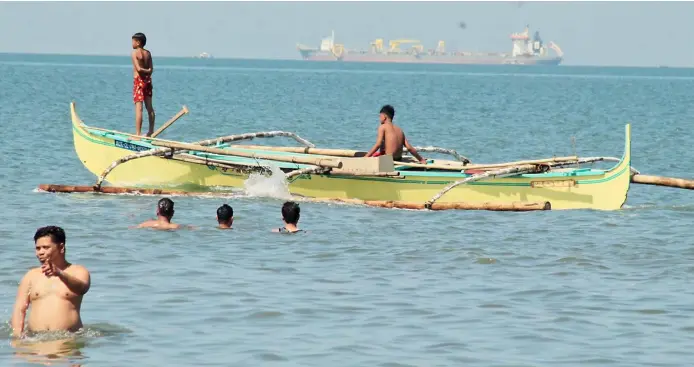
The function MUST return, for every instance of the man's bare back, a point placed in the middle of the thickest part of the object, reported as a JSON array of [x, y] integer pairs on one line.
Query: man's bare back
[[159, 224], [391, 139]]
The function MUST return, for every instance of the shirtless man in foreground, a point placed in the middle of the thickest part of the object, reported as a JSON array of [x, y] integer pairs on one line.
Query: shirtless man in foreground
[[142, 83], [54, 290], [391, 138], [165, 211]]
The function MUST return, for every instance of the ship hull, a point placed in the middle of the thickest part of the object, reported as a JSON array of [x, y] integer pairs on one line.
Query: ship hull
[[431, 59]]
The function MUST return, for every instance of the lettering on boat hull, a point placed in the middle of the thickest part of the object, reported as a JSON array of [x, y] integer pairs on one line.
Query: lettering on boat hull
[[129, 146], [552, 183]]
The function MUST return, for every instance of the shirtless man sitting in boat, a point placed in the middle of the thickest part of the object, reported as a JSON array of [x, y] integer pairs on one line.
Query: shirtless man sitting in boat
[[54, 290], [165, 211], [391, 138]]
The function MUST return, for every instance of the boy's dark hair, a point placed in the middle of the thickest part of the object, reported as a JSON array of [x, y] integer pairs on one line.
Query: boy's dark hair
[[166, 207], [56, 233], [141, 38], [291, 212], [224, 213], [388, 110]]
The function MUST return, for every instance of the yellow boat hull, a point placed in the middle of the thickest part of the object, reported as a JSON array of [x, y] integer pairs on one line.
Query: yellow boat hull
[[605, 190]]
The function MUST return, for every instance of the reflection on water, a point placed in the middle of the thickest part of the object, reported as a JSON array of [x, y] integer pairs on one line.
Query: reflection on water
[[58, 347], [50, 351]]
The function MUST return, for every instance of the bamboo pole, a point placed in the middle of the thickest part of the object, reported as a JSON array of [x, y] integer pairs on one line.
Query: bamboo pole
[[393, 174], [109, 190], [493, 206], [251, 136], [452, 167], [304, 171], [503, 172], [663, 181], [180, 113], [241, 168], [306, 150], [321, 162], [500, 206]]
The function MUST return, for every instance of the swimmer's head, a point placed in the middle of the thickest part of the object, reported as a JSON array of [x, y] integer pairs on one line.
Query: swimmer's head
[[49, 243], [225, 215], [165, 208], [291, 212]]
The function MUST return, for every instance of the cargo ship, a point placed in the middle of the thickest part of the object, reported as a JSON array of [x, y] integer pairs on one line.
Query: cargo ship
[[524, 51]]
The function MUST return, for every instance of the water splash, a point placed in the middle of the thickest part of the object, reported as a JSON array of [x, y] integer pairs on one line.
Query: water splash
[[262, 185]]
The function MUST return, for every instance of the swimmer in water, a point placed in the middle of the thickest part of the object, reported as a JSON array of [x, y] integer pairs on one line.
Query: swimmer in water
[[290, 215], [165, 211], [225, 216], [54, 290]]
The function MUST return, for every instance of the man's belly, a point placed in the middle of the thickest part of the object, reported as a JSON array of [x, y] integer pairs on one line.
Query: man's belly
[[53, 314]]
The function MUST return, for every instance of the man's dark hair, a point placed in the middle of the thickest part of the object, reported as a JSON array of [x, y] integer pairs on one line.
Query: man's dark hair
[[224, 213], [141, 38], [56, 233], [166, 207], [291, 212], [388, 110]]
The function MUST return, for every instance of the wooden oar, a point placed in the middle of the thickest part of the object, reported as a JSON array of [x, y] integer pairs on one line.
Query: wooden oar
[[180, 113]]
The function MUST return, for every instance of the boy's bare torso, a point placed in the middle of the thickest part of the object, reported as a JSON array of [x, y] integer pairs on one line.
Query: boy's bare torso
[[143, 58], [53, 305]]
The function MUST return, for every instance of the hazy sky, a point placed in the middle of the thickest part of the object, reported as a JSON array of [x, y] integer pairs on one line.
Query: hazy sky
[[589, 33]]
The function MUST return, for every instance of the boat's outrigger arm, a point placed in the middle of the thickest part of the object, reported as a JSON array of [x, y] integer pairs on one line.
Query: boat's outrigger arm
[[450, 152]]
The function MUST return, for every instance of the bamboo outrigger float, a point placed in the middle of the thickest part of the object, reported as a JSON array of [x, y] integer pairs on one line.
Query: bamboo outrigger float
[[335, 174]]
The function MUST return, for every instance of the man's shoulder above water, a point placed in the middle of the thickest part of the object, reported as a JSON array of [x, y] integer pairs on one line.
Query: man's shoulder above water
[[158, 225]]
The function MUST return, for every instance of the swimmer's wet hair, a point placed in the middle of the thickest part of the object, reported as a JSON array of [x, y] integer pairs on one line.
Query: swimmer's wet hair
[[56, 233], [141, 38], [225, 212], [291, 212], [388, 110], [166, 207]]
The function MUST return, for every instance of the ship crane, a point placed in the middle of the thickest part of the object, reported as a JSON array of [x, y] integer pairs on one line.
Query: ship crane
[[395, 45]]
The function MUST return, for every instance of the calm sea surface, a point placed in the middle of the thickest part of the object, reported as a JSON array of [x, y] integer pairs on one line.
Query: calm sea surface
[[365, 286]]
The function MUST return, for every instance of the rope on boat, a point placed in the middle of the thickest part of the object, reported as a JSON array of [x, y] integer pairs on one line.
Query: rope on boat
[[504, 172], [450, 152]]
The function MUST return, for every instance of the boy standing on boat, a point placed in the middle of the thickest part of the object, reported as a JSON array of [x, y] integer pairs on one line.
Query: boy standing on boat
[[142, 84], [391, 138], [54, 290]]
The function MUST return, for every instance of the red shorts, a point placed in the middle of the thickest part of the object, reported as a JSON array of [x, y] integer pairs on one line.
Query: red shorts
[[142, 87], [377, 154]]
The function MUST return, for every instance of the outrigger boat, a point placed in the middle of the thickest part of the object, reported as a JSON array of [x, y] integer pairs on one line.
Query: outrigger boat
[[124, 159]]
